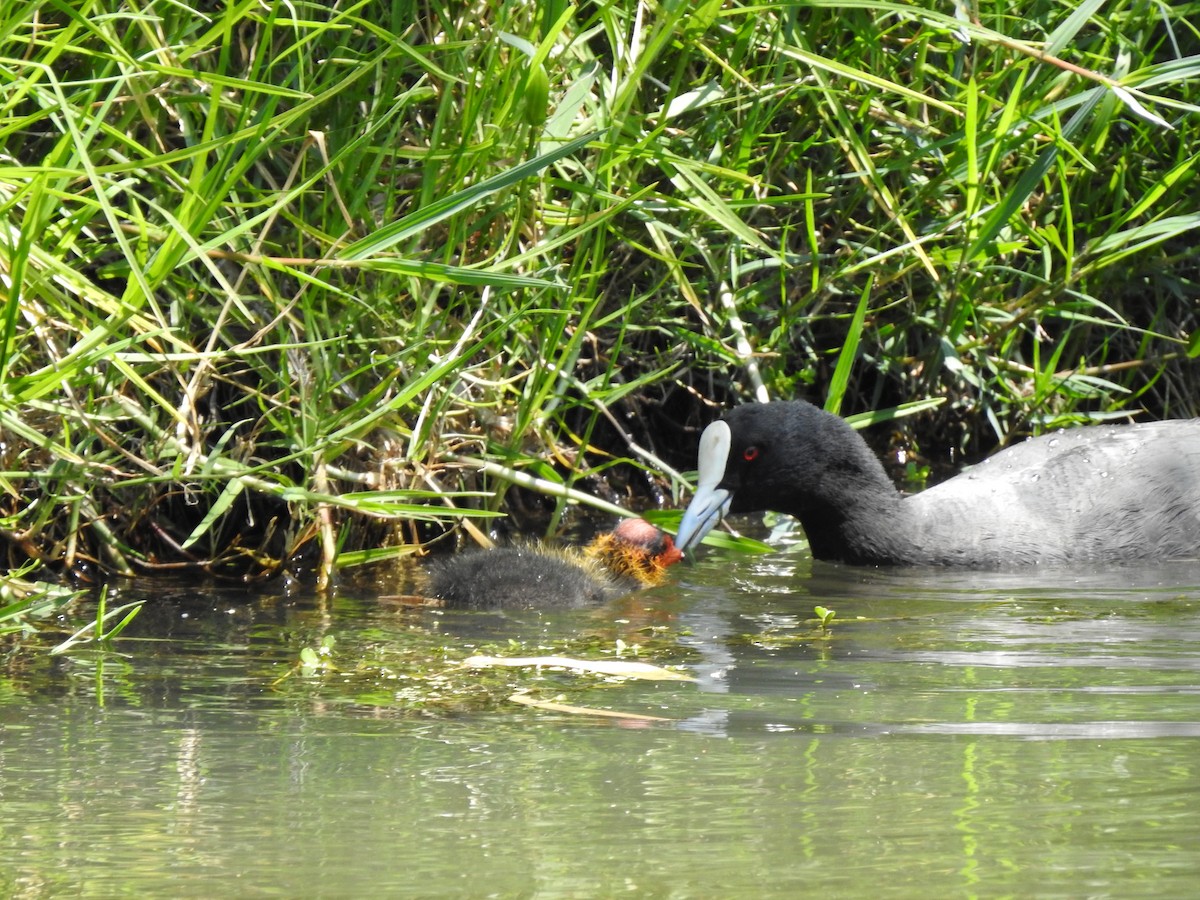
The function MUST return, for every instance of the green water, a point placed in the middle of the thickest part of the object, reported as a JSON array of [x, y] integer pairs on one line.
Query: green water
[[951, 735]]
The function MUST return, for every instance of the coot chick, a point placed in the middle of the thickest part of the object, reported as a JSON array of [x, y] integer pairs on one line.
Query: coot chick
[[1102, 493], [634, 555]]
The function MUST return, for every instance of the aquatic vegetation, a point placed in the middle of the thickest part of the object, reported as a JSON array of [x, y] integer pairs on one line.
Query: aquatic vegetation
[[106, 627], [318, 659], [416, 673], [25, 603]]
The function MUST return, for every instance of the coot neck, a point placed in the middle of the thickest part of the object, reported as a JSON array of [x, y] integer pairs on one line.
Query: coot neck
[[850, 509], [860, 522]]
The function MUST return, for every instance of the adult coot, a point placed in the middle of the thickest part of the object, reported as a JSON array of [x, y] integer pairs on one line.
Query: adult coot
[[634, 555], [1108, 492]]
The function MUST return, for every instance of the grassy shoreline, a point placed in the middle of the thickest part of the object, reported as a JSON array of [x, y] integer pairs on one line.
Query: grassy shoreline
[[285, 284]]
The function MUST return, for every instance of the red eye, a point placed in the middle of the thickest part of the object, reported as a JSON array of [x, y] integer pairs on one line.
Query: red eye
[[750, 454]]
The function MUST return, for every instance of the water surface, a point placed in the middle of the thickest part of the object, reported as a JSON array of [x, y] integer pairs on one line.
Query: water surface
[[952, 734]]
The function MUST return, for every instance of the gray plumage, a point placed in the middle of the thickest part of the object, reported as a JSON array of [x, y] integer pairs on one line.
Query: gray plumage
[[1100, 493]]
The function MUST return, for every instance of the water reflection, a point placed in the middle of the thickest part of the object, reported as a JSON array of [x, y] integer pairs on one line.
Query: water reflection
[[1047, 655], [950, 733]]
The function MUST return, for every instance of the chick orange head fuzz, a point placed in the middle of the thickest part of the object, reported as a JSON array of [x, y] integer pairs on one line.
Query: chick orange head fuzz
[[640, 534], [636, 549]]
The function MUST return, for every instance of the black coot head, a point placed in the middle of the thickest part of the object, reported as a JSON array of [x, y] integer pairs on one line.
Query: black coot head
[[774, 456], [776, 451]]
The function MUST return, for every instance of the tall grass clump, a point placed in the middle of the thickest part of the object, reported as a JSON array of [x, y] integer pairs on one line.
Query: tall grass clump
[[286, 283]]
